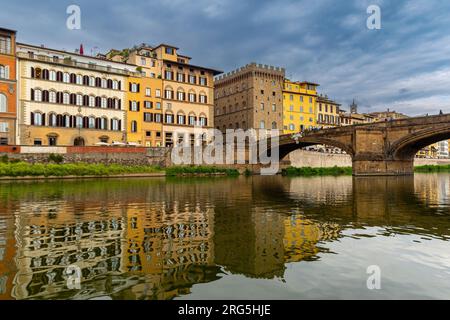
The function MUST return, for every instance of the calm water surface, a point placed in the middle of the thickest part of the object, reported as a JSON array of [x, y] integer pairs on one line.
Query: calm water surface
[[226, 238]]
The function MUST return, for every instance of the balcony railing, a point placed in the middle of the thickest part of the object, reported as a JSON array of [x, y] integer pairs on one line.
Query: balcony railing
[[73, 63]]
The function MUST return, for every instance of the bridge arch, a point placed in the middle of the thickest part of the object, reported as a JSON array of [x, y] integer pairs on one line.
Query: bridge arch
[[288, 144], [407, 147]]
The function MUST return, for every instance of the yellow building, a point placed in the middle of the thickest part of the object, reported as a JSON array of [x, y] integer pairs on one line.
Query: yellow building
[[327, 112], [299, 104], [144, 111], [184, 91]]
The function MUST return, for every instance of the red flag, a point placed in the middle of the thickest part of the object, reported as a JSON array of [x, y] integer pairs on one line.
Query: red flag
[[81, 49]]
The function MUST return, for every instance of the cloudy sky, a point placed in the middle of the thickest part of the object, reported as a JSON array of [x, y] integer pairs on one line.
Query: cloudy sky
[[404, 66]]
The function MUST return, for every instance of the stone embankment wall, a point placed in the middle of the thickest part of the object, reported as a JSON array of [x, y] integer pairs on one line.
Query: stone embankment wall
[[301, 158], [106, 155]]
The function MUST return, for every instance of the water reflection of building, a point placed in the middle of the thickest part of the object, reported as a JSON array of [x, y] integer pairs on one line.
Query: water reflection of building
[[173, 249], [124, 246], [46, 247]]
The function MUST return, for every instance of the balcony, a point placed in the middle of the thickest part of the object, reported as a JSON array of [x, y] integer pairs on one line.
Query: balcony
[[76, 64]]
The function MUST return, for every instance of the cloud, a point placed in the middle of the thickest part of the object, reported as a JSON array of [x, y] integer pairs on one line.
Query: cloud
[[405, 65]]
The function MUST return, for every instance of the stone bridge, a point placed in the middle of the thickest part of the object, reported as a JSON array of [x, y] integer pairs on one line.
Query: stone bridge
[[382, 148]]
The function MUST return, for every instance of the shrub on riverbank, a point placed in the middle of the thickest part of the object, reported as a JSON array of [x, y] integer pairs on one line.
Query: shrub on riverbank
[[308, 171], [200, 170], [22, 169], [431, 168]]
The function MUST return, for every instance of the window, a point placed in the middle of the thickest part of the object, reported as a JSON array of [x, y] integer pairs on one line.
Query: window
[[79, 79], [202, 98], [310, 100], [291, 108], [37, 142], [192, 79], [192, 97], [202, 121], [37, 95], [79, 122], [104, 102], [292, 127], [148, 117], [104, 83], [274, 107], [4, 127], [133, 106], [157, 117], [92, 81], [91, 101], [158, 105], [169, 50], [181, 119], [36, 119], [115, 125], [3, 103], [180, 77], [291, 97], [143, 61], [301, 98], [134, 127], [262, 124], [192, 120], [52, 75], [262, 106], [5, 45], [52, 97], [203, 81], [148, 105], [148, 92], [158, 93], [169, 118], [66, 77], [91, 123], [134, 87], [274, 125], [181, 95], [168, 75], [115, 85], [168, 94], [66, 98], [79, 101], [4, 72]]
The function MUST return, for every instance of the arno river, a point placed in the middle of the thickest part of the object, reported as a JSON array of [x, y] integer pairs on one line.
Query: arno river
[[226, 238]]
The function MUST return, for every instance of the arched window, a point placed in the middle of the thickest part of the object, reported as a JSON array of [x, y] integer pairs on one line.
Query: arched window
[[52, 120], [292, 127], [91, 101], [3, 103], [66, 98], [52, 96], [134, 127], [52, 75], [91, 122], [66, 77]]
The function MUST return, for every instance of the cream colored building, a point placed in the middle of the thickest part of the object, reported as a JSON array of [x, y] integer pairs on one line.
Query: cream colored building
[[68, 99]]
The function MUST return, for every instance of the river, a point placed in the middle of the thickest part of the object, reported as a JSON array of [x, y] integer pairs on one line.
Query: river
[[226, 238]]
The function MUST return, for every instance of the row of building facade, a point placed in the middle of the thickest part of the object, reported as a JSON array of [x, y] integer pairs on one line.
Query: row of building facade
[[141, 96]]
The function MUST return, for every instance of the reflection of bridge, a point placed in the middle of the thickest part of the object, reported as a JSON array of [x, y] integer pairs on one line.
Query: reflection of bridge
[[383, 148]]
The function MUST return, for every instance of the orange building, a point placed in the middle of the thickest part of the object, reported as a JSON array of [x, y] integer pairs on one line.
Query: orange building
[[8, 97]]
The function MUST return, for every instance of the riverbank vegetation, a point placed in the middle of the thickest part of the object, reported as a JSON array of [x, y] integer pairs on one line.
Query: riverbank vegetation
[[308, 171], [23, 169], [433, 168], [199, 170]]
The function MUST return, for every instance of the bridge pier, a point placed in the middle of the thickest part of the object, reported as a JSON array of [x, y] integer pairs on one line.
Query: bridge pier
[[383, 167]]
